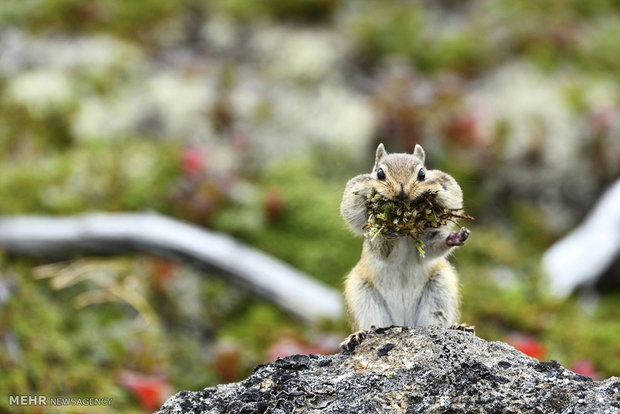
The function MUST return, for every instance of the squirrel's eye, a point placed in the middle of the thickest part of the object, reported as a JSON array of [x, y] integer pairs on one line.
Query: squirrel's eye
[[380, 174], [421, 174]]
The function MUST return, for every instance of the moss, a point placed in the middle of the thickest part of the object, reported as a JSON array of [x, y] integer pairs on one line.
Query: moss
[[309, 11], [408, 218], [134, 20]]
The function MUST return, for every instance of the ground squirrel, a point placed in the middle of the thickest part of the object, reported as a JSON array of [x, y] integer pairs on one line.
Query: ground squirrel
[[392, 284]]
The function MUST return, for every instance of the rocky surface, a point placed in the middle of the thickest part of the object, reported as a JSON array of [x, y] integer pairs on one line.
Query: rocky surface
[[408, 370]]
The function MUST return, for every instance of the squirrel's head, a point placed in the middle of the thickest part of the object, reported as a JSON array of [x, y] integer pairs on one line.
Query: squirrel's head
[[403, 176]]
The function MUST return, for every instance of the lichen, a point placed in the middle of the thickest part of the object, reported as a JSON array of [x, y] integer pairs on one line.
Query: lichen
[[408, 217]]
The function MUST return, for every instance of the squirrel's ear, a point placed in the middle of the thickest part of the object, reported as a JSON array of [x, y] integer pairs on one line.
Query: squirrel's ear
[[419, 152], [380, 153]]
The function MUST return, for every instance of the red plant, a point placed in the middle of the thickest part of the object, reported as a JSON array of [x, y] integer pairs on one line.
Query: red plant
[[273, 204], [463, 129], [290, 345], [528, 345], [192, 161], [227, 361], [585, 367], [162, 270], [150, 390]]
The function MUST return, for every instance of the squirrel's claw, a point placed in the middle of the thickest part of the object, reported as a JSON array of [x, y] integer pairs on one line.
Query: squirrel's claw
[[458, 238], [353, 340], [464, 328]]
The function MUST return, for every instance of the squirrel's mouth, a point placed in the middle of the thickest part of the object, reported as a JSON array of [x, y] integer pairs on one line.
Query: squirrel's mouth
[[424, 198]]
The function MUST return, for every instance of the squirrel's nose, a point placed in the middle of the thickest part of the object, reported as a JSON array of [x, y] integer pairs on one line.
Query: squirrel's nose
[[402, 195]]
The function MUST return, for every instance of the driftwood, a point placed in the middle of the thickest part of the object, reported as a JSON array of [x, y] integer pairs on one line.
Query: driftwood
[[584, 255], [101, 233]]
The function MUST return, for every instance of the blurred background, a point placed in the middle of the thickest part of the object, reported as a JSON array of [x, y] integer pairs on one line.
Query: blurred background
[[248, 117]]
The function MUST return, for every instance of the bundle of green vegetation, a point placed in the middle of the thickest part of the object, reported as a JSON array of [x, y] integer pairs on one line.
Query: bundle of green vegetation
[[408, 218]]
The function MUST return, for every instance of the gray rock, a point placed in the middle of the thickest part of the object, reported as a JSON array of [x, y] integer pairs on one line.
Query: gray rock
[[408, 370]]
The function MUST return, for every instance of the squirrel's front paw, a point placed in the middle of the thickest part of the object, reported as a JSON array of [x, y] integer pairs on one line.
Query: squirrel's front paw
[[458, 238], [353, 340], [464, 328]]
